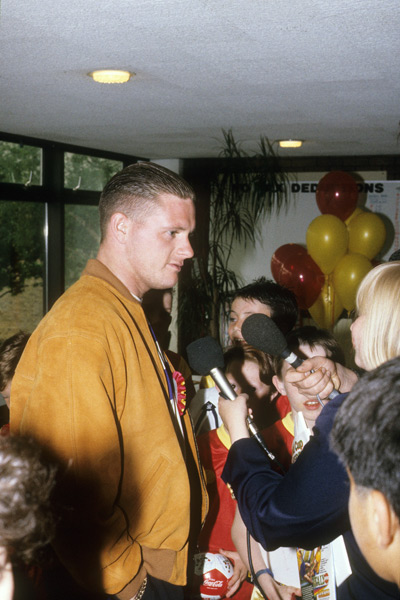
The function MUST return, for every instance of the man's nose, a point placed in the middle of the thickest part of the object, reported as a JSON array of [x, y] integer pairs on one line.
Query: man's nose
[[186, 249]]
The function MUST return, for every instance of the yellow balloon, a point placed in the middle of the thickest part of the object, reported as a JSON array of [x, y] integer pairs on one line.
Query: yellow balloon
[[327, 308], [354, 214], [367, 234], [327, 240], [347, 276]]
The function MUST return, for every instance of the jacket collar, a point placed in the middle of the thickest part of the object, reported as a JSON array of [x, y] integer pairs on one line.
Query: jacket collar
[[95, 268]]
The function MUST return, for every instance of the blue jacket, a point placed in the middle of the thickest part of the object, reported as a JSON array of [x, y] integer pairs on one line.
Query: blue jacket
[[307, 507]]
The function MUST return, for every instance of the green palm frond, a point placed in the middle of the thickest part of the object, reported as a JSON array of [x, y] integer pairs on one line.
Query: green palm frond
[[244, 190]]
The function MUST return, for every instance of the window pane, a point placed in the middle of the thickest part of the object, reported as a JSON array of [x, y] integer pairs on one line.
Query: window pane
[[82, 239], [88, 172], [21, 266], [20, 164]]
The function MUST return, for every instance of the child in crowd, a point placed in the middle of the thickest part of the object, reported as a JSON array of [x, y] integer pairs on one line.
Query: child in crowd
[[266, 297], [26, 518], [250, 371], [306, 342], [261, 296], [10, 353]]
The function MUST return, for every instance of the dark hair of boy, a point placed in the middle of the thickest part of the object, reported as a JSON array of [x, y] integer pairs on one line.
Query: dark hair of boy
[[311, 336], [366, 432], [282, 302], [10, 353]]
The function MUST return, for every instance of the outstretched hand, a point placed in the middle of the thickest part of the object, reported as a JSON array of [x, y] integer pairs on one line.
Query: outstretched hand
[[233, 414], [239, 572], [276, 591], [316, 375], [320, 375]]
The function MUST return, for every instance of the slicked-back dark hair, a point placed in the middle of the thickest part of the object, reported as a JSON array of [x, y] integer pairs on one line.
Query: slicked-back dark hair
[[282, 302], [366, 432], [136, 189]]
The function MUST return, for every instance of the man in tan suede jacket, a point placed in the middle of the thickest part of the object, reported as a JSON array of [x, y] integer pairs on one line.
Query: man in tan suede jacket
[[95, 391]]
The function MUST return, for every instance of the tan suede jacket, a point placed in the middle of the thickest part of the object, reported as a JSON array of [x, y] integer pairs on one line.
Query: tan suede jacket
[[90, 387]]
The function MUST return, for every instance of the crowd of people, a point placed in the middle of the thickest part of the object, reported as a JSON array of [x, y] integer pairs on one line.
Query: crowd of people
[[103, 470]]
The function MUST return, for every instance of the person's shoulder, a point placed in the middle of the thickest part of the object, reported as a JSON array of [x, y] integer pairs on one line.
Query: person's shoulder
[[92, 295], [325, 420], [90, 310]]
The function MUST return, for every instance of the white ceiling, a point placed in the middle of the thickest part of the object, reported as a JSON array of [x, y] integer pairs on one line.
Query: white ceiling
[[326, 71]]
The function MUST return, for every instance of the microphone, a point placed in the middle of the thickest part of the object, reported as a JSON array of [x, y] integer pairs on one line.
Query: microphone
[[205, 356], [261, 332]]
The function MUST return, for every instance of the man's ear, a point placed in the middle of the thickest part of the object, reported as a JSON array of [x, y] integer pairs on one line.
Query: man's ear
[[119, 224], [384, 520], [279, 385]]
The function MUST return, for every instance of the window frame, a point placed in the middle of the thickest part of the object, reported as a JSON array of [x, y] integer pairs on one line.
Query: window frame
[[52, 193]]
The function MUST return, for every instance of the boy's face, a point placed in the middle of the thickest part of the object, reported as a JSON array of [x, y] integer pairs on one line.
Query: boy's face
[[240, 310], [245, 378], [310, 408]]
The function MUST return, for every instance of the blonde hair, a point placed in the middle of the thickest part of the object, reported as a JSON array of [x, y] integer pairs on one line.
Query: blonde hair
[[378, 300]]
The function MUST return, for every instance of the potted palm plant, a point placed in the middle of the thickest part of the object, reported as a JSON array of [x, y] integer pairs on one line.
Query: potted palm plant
[[243, 189]]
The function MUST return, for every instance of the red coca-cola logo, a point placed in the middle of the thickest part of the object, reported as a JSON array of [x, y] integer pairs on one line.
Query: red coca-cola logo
[[214, 583]]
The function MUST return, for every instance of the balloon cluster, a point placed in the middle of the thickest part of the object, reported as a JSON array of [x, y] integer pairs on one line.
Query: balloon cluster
[[341, 243]]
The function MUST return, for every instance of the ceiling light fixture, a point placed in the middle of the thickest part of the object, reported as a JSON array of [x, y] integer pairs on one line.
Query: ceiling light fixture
[[111, 76], [290, 143]]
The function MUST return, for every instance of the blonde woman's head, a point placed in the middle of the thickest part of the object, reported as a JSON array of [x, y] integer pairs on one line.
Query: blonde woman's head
[[376, 331]]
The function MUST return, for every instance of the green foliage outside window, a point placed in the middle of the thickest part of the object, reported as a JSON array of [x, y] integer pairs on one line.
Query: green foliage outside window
[[19, 163], [88, 172], [21, 245]]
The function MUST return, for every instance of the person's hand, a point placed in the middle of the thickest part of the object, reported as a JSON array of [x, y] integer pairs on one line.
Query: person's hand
[[325, 377], [316, 375], [233, 413], [275, 591], [239, 572]]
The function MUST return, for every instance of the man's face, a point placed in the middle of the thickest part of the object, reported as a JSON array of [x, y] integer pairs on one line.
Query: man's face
[[240, 310], [158, 244]]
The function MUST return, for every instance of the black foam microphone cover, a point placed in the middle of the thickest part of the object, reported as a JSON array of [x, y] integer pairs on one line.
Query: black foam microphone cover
[[205, 354], [206, 357], [261, 332]]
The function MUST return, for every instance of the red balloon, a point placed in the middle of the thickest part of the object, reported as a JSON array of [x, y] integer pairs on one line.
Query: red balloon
[[337, 194], [293, 267]]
